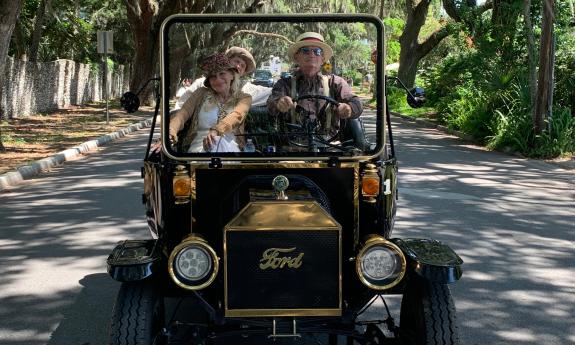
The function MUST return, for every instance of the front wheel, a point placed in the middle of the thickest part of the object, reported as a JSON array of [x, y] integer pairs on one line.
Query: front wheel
[[427, 314], [138, 315]]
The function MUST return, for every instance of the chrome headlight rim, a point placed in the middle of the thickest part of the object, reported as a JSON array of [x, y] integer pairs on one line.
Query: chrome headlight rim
[[387, 283], [184, 282]]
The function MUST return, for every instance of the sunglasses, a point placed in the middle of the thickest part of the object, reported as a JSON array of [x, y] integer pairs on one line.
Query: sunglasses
[[307, 50]]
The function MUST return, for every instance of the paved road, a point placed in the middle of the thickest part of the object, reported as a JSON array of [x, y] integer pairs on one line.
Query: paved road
[[55, 236], [510, 219]]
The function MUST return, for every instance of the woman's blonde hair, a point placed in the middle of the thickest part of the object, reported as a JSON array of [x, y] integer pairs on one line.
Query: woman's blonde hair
[[236, 86]]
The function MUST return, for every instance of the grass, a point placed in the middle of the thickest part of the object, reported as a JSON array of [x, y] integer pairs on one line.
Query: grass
[[398, 104]]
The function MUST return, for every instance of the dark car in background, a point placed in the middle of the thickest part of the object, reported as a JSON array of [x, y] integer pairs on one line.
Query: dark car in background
[[263, 77]]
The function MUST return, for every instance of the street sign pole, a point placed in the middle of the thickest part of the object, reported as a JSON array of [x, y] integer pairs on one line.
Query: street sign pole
[[106, 77], [105, 46]]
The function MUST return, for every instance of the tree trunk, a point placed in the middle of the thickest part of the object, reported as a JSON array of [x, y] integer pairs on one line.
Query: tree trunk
[[141, 16], [531, 49], [382, 11], [145, 18], [38, 29], [409, 57], [9, 11], [545, 58], [411, 51]]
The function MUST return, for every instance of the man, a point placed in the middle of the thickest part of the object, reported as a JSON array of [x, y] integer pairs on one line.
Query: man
[[310, 52], [245, 64]]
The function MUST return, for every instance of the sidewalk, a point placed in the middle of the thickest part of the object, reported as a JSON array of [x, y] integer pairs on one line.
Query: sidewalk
[[31, 170]]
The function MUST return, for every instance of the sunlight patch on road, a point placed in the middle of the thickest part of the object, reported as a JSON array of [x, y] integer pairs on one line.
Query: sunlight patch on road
[[518, 334], [435, 194], [483, 276], [23, 336], [51, 276]]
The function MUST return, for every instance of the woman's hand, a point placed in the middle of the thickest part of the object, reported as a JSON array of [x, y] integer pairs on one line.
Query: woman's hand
[[210, 139], [156, 146]]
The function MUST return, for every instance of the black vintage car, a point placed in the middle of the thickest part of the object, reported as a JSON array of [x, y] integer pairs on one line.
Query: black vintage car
[[291, 242]]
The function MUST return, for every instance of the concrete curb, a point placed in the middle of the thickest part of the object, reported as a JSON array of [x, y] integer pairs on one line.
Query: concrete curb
[[568, 165], [26, 172]]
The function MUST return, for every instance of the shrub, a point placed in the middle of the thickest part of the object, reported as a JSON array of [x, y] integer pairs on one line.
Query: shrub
[[558, 139]]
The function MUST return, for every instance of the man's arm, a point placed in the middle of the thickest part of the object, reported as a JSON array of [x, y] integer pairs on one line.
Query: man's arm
[[344, 93], [259, 93], [235, 117], [280, 89]]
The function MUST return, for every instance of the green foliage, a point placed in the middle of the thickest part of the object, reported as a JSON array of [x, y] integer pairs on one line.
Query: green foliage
[[397, 102], [483, 93], [396, 98], [349, 49], [511, 125], [565, 58], [514, 130], [111, 15], [111, 64], [67, 37], [560, 138], [70, 28], [353, 74], [95, 66], [393, 27]]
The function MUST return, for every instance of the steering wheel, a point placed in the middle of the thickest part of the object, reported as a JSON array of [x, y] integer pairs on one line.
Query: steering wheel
[[311, 126]]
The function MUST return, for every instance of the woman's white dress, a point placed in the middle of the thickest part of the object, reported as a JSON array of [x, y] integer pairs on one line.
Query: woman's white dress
[[208, 118]]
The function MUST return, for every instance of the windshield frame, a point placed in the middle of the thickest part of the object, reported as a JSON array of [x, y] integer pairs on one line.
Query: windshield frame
[[296, 18]]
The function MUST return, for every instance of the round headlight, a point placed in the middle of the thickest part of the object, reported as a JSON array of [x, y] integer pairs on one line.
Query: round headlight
[[193, 264], [380, 264]]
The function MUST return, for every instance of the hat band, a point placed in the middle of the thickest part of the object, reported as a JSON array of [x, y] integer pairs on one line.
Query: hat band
[[311, 39]]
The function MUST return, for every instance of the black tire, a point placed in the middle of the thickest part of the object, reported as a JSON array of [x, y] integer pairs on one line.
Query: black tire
[[427, 314], [138, 315]]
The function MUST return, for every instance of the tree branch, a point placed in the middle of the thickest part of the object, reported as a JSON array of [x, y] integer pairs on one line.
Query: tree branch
[[261, 34], [433, 40]]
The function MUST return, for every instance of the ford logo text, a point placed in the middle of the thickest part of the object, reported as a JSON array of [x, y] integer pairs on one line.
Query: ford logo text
[[273, 258]]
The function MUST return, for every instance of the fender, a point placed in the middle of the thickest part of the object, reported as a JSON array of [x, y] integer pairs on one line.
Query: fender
[[431, 259], [133, 260]]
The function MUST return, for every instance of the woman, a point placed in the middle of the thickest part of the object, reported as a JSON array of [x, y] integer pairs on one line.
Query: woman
[[216, 111]]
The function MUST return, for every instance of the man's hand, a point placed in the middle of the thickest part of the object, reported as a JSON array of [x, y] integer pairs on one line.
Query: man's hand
[[285, 104], [343, 111]]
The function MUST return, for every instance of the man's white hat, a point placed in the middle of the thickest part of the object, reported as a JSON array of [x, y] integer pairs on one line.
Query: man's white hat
[[310, 39], [245, 55]]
